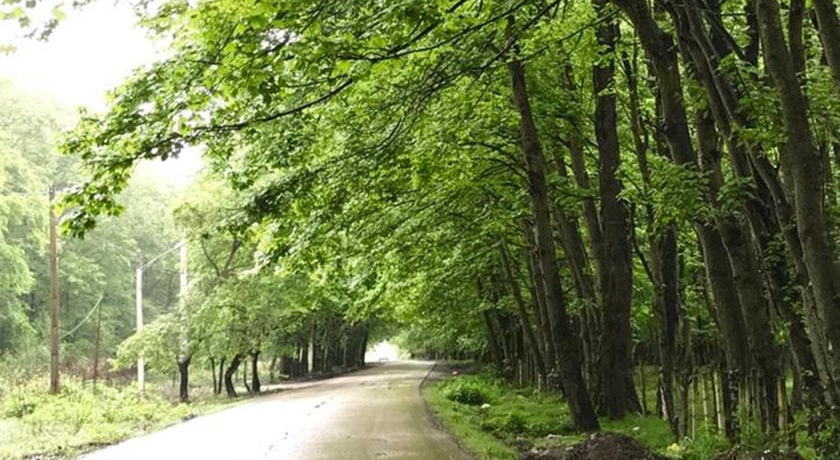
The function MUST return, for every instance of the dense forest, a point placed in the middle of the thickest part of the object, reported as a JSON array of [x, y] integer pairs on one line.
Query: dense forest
[[97, 279], [575, 193]]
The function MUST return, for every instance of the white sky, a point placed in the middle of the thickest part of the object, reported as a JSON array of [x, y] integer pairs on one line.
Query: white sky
[[91, 52]]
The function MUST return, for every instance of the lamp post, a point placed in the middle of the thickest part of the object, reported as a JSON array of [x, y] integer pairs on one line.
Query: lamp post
[[138, 296]]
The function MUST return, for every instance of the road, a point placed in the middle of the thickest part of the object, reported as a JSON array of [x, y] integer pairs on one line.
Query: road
[[376, 413]]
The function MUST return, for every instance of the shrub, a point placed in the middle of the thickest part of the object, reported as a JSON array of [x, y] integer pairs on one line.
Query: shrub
[[505, 424], [37, 423], [467, 391], [706, 444], [19, 403]]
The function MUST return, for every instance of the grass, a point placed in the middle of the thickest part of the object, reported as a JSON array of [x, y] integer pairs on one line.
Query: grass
[[463, 421], [492, 419], [490, 425], [78, 420]]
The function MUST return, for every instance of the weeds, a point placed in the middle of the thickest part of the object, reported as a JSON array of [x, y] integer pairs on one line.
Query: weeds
[[470, 390], [491, 417], [66, 424]]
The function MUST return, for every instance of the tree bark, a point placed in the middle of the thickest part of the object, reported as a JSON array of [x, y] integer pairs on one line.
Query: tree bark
[[829, 29], [184, 379], [213, 374], [549, 316], [589, 288], [493, 339], [802, 165], [255, 374], [618, 393], [580, 405], [230, 373], [664, 267], [538, 301], [523, 312]]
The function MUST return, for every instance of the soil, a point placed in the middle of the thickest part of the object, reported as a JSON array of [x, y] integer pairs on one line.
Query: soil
[[599, 446]]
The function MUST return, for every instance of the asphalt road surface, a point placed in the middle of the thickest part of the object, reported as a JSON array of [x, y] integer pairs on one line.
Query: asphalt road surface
[[376, 413]]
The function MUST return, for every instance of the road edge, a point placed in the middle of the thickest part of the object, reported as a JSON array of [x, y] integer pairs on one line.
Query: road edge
[[437, 422], [239, 400]]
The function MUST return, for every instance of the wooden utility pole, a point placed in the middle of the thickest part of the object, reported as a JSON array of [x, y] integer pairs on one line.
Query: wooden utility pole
[[53, 257], [138, 307], [183, 327], [96, 346]]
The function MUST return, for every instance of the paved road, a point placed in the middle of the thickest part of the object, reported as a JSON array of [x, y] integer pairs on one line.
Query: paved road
[[376, 413]]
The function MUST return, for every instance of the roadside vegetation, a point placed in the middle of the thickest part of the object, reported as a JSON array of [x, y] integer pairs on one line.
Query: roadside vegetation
[[79, 419], [493, 419]]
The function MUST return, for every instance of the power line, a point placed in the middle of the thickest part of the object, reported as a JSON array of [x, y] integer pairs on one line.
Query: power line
[[86, 317]]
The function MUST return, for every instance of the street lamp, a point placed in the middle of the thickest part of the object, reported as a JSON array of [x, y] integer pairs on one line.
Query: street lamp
[[138, 296]]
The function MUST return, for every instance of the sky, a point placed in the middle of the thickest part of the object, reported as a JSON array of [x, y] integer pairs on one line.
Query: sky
[[91, 52]]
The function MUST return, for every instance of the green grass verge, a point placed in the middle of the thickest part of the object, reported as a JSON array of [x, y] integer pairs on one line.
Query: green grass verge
[[78, 420], [490, 418], [460, 419]]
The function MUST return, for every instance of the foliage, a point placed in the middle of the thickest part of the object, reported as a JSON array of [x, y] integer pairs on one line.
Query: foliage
[[80, 417], [520, 416], [157, 343], [479, 442], [504, 411], [470, 391]]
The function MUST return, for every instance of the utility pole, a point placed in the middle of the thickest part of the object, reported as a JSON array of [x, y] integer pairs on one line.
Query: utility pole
[[138, 297], [96, 347], [53, 260], [183, 339], [182, 293]]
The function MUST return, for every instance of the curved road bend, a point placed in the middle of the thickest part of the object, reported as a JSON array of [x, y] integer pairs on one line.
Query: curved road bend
[[376, 413]]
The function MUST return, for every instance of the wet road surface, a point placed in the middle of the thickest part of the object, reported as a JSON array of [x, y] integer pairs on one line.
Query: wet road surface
[[376, 413]]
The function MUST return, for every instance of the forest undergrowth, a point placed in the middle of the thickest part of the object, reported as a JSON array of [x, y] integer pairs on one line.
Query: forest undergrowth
[[496, 420]]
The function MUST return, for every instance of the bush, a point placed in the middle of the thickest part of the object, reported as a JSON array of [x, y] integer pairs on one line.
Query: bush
[[505, 424], [37, 423], [19, 403], [469, 391]]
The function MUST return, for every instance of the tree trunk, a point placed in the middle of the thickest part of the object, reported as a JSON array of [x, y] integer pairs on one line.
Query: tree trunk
[[538, 306], [829, 28], [660, 49], [245, 379], [801, 163], [618, 393], [666, 272], [184, 379], [492, 335], [580, 405], [523, 312], [360, 349], [255, 374], [272, 369], [590, 320], [213, 373], [221, 375], [230, 372], [549, 318]]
